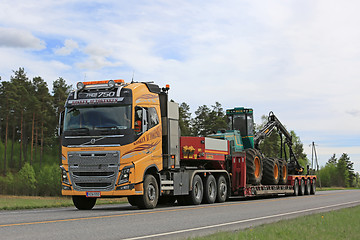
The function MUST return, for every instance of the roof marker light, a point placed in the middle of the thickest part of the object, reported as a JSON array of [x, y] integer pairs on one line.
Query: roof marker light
[[111, 83], [80, 85]]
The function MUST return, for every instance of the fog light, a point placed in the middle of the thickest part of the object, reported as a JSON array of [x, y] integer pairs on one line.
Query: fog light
[[125, 174], [64, 187]]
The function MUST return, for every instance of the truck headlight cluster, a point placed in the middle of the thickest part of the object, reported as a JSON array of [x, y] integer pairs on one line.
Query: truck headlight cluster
[[64, 177], [125, 174]]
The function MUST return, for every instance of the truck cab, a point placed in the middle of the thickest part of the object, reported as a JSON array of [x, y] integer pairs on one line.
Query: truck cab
[[112, 138]]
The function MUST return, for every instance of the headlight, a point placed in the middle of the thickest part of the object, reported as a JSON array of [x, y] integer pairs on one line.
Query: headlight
[[64, 177], [125, 174]]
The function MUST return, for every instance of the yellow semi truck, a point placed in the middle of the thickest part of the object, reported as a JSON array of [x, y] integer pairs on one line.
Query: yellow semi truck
[[123, 140]]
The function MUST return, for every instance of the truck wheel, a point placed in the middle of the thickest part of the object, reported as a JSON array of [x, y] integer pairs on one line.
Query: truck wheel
[[196, 194], [133, 200], [307, 187], [150, 196], [254, 166], [83, 203], [271, 174], [222, 189], [283, 172], [296, 187], [313, 187], [210, 189], [302, 187]]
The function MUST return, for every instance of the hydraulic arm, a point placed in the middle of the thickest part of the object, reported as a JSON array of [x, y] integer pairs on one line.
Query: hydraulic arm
[[274, 123]]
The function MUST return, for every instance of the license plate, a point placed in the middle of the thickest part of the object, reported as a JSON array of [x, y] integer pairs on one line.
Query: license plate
[[93, 194]]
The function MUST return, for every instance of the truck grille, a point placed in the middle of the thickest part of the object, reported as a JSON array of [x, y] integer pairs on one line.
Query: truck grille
[[94, 171]]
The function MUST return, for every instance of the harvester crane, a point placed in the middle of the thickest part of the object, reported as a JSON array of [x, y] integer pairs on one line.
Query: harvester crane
[[273, 123]]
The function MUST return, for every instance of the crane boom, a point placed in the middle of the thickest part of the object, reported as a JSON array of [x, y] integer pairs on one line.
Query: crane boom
[[272, 124]]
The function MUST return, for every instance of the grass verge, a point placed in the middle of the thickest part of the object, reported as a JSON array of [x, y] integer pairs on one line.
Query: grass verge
[[340, 224], [334, 188], [29, 202]]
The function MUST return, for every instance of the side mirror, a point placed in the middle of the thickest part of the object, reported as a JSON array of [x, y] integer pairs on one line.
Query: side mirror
[[61, 123]]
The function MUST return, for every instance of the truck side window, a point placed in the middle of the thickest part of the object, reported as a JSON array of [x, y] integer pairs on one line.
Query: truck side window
[[153, 117], [138, 120], [141, 123]]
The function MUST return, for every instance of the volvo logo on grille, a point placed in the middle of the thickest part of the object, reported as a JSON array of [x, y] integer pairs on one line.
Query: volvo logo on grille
[[93, 141]]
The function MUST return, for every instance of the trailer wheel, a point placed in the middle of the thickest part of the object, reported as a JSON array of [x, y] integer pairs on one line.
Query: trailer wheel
[[150, 196], [296, 187], [196, 194], [307, 187], [133, 200], [210, 189], [302, 187], [222, 189], [283, 172], [83, 203], [271, 173], [313, 187], [254, 166]]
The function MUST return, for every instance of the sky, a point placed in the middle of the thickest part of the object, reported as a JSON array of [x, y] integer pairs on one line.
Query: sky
[[299, 59]]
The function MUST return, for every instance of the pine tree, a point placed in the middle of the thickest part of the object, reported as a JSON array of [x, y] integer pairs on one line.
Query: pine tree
[[185, 119]]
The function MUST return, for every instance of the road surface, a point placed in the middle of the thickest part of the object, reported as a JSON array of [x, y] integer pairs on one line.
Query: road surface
[[172, 222]]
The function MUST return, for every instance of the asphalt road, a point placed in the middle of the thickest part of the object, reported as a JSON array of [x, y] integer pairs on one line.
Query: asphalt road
[[174, 222]]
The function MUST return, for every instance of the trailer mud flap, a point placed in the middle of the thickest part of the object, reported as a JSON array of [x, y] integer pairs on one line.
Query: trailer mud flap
[[181, 183]]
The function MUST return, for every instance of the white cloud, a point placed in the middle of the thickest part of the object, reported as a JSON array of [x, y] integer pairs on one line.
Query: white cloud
[[16, 38], [98, 58], [297, 58], [69, 46]]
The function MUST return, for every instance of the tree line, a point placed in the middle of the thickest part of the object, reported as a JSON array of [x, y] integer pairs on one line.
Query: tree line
[[339, 172], [29, 146], [29, 118]]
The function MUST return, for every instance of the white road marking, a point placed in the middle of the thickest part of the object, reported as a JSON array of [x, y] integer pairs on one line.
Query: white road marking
[[240, 221]]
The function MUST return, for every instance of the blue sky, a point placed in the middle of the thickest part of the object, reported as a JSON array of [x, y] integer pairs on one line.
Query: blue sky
[[300, 59]]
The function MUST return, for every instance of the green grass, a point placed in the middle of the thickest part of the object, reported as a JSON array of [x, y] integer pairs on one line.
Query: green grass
[[334, 188], [340, 224], [28, 202]]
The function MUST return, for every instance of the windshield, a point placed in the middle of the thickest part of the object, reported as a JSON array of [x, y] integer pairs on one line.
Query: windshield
[[95, 117]]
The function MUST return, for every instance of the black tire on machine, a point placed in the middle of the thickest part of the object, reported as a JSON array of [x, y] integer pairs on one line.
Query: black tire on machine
[[254, 166], [271, 173]]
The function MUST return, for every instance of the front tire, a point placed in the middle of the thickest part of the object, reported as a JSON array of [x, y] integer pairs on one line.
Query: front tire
[[150, 195], [83, 203]]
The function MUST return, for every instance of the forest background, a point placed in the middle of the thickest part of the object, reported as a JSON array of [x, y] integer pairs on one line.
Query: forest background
[[30, 152]]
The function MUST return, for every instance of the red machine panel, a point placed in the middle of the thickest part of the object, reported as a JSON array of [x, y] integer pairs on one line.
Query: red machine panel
[[203, 148]]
